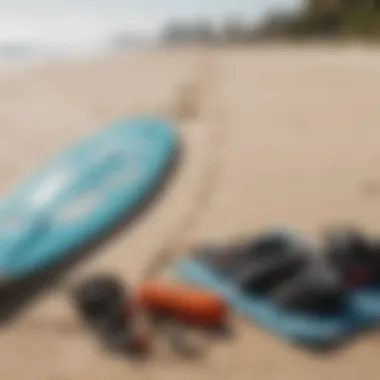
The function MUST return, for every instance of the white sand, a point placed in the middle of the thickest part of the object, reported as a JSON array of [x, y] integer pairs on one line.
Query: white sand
[[279, 135]]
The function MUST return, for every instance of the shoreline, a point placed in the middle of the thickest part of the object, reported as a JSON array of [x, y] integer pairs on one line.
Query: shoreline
[[90, 56]]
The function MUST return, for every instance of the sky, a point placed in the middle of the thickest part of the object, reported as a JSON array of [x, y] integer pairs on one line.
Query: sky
[[82, 21]]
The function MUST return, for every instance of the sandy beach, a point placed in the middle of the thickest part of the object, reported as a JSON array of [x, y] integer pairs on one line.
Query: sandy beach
[[272, 136]]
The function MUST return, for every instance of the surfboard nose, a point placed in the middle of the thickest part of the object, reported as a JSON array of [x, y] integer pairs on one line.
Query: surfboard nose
[[156, 128]]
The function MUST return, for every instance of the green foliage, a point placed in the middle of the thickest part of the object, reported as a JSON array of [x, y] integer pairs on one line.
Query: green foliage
[[344, 17], [318, 18]]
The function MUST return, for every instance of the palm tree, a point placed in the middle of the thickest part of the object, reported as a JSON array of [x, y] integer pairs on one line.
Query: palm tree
[[345, 16]]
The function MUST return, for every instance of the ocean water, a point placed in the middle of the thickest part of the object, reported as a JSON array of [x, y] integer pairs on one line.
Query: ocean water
[[12, 57], [18, 55]]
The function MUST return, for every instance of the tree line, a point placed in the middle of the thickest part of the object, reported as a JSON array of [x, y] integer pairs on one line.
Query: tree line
[[317, 18]]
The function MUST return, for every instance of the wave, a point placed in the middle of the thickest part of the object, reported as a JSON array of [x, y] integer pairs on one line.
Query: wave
[[22, 53]]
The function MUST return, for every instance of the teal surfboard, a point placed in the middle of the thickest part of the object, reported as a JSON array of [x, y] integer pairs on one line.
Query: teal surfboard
[[82, 192]]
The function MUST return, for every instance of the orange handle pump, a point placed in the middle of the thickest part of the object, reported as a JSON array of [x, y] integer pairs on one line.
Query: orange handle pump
[[183, 303]]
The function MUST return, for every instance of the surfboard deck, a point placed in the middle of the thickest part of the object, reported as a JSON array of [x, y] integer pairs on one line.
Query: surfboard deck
[[82, 192]]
